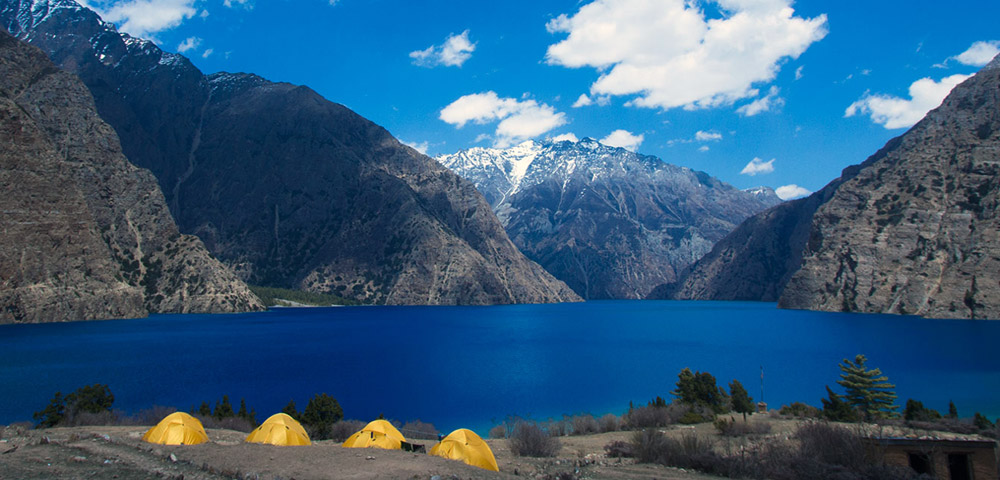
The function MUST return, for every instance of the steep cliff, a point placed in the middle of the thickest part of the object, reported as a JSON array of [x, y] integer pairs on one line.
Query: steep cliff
[[289, 189], [86, 234], [912, 230], [916, 231], [609, 222]]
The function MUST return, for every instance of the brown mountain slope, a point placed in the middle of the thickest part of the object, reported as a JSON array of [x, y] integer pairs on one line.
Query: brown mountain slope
[[86, 234], [288, 188]]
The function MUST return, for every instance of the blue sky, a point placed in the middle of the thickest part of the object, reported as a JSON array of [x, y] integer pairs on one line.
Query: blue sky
[[755, 92]]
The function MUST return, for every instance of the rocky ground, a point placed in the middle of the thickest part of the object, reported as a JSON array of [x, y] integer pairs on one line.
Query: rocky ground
[[118, 452]]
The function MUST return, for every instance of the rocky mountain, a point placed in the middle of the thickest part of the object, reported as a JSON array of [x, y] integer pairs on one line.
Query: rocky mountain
[[912, 230], [289, 189], [86, 234], [609, 222]]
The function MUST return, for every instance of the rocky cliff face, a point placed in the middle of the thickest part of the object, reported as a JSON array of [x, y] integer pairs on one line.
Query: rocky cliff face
[[607, 221], [86, 234], [912, 230], [916, 231], [288, 188]]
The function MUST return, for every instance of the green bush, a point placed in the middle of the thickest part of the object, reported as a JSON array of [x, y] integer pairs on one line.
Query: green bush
[[691, 418], [799, 410], [88, 404]]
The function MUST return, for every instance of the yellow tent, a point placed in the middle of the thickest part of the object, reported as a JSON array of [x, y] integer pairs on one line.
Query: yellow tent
[[377, 434], [279, 429], [465, 445], [178, 428]]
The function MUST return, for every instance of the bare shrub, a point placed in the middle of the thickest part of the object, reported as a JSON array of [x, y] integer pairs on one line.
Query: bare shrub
[[831, 444], [585, 425], [559, 428], [619, 449], [610, 423], [735, 428], [228, 423], [652, 416], [345, 428], [530, 440], [149, 416], [498, 431], [419, 430], [83, 418]]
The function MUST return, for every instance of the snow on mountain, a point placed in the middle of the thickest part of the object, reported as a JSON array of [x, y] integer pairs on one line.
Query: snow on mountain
[[609, 222]]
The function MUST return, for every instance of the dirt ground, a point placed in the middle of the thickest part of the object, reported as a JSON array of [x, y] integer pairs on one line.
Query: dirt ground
[[119, 453]]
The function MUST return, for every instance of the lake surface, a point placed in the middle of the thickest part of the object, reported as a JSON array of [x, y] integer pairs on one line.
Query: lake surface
[[472, 366]]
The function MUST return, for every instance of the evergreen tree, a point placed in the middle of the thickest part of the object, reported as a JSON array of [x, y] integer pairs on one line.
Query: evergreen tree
[[916, 411], [867, 390], [205, 410], [699, 388], [836, 409], [952, 411], [94, 398], [52, 414], [321, 413], [742, 403], [981, 422], [290, 410], [224, 409]]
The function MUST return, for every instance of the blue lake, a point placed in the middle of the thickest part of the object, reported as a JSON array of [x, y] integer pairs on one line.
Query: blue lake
[[471, 366]]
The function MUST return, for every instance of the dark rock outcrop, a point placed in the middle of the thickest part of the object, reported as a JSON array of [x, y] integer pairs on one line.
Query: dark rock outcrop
[[289, 189], [86, 234], [912, 230], [609, 222]]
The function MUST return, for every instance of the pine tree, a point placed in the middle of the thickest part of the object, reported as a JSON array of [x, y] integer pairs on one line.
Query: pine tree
[[836, 409], [290, 410], [224, 409], [205, 410], [867, 390], [952, 410], [742, 403]]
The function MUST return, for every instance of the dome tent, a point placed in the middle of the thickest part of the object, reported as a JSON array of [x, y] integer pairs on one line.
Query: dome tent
[[466, 446], [377, 434], [280, 429], [178, 428]]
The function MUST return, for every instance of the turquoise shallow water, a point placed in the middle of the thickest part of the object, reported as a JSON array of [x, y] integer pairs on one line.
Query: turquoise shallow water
[[470, 366]]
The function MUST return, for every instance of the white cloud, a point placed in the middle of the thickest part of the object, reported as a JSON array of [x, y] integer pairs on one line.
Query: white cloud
[[144, 18], [798, 72], [583, 101], [703, 148], [241, 3], [189, 43], [670, 55], [758, 166], [623, 139], [455, 50], [566, 137], [979, 54], [418, 146], [788, 192], [895, 112], [519, 119], [768, 102], [703, 136], [207, 53]]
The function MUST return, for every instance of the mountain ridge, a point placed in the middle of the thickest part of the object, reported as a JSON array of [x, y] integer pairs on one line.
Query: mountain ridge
[[609, 222], [314, 197]]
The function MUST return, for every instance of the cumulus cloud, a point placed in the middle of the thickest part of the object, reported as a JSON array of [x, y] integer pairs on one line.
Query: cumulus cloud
[[189, 43], [669, 54], [703, 136], [145, 18], [768, 102], [979, 54], [583, 101], [788, 192], [455, 50], [418, 146], [894, 112], [623, 139], [758, 166], [519, 119], [566, 137], [207, 53]]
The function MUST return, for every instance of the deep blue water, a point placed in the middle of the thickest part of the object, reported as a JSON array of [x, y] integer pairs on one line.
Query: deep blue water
[[469, 366]]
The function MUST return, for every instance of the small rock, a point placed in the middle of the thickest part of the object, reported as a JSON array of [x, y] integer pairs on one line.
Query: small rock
[[173, 458], [79, 459], [106, 437], [436, 477], [369, 457]]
